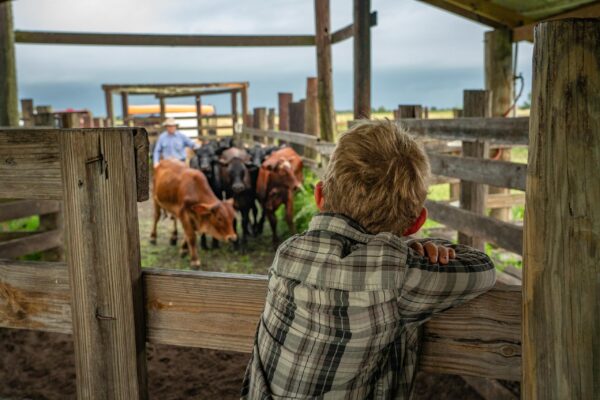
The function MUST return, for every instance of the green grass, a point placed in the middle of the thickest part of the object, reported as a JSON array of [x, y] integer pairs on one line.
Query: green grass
[[28, 224]]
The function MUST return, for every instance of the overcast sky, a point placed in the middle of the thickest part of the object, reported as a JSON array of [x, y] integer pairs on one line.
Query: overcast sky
[[421, 54]]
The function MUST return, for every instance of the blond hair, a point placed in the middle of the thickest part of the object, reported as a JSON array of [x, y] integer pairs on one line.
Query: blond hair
[[377, 176]]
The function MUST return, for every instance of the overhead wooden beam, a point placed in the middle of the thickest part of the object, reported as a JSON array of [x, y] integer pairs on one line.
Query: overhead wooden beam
[[194, 93], [525, 32], [220, 311], [131, 39], [9, 102], [483, 11], [561, 296], [348, 31]]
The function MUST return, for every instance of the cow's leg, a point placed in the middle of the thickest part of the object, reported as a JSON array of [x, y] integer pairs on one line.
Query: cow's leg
[[203, 245], [289, 213], [156, 219], [245, 227], [255, 215], [261, 223], [190, 240], [273, 222], [173, 240], [215, 243]]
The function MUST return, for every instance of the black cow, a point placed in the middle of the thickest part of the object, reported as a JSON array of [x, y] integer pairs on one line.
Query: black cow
[[237, 184]]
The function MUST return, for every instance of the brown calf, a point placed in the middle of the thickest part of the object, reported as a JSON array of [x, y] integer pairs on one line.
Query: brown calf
[[279, 176], [185, 193]]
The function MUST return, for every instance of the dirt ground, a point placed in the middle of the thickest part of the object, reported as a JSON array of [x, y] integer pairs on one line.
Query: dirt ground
[[39, 365]]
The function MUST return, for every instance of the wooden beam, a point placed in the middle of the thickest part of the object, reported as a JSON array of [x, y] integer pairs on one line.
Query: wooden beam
[[99, 183], [27, 113], [220, 311], [131, 39], [9, 101], [586, 11], [199, 114], [483, 11], [30, 244], [362, 59], [311, 108], [488, 172], [110, 113], [505, 200], [24, 208], [503, 234], [476, 103], [324, 70], [234, 109], [124, 107], [245, 111], [561, 296], [510, 131], [194, 93], [290, 137], [348, 31]]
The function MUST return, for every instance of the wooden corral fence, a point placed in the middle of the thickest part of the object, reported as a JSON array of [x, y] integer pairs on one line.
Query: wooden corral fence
[[102, 297]]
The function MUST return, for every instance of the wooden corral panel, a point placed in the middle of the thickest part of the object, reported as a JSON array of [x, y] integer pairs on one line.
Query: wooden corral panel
[[30, 163], [221, 311]]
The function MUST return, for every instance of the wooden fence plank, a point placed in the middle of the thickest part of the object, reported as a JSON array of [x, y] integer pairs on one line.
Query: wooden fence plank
[[30, 244], [290, 137], [510, 131], [489, 172], [220, 311], [25, 208], [503, 234], [131, 39], [99, 182]]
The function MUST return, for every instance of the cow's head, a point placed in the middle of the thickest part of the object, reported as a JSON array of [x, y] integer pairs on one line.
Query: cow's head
[[215, 219], [236, 175], [205, 156], [283, 174]]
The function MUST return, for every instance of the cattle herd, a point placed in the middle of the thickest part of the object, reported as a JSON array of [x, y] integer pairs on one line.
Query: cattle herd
[[221, 180]]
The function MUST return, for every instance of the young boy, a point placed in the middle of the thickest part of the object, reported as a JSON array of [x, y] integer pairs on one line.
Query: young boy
[[347, 297]]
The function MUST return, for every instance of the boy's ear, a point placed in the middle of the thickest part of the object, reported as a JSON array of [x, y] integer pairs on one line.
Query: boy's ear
[[319, 195], [414, 228]]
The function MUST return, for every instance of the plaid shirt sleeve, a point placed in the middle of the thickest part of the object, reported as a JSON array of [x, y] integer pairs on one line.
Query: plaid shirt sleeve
[[429, 288]]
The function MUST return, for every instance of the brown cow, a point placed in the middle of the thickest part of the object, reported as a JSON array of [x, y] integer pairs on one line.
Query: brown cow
[[185, 193], [279, 176]]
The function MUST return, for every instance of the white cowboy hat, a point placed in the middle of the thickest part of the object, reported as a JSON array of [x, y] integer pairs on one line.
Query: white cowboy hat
[[169, 122]]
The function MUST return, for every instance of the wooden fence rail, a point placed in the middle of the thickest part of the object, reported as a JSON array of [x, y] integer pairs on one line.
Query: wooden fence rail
[[220, 311]]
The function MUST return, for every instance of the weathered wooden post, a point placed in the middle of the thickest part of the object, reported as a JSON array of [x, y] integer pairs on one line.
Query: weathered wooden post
[[110, 113], [296, 112], [499, 80], [362, 59], [27, 113], [271, 119], [163, 109], [261, 122], [311, 107], [234, 109], [103, 257], [44, 116], [284, 100], [70, 120], [324, 70], [473, 196], [9, 102], [198, 101], [125, 108], [561, 286], [410, 111], [245, 115]]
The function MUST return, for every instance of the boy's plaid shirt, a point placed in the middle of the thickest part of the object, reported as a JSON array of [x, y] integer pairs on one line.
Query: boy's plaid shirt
[[343, 312]]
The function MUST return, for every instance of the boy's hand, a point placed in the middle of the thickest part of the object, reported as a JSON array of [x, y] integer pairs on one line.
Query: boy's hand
[[435, 253]]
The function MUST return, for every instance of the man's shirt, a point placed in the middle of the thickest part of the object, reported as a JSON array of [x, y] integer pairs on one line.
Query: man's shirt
[[172, 146], [343, 311]]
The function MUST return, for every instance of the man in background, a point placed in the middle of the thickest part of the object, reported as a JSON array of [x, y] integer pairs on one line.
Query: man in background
[[171, 143]]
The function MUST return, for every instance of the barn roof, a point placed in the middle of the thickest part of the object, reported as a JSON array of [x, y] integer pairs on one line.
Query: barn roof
[[518, 15]]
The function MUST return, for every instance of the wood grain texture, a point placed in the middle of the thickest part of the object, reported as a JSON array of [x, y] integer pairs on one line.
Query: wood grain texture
[[24, 208], [473, 195], [30, 164], [221, 311], [142, 163], [503, 234], [324, 70], [561, 285], [31, 244], [283, 101], [9, 104], [511, 131], [489, 172], [99, 182]]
